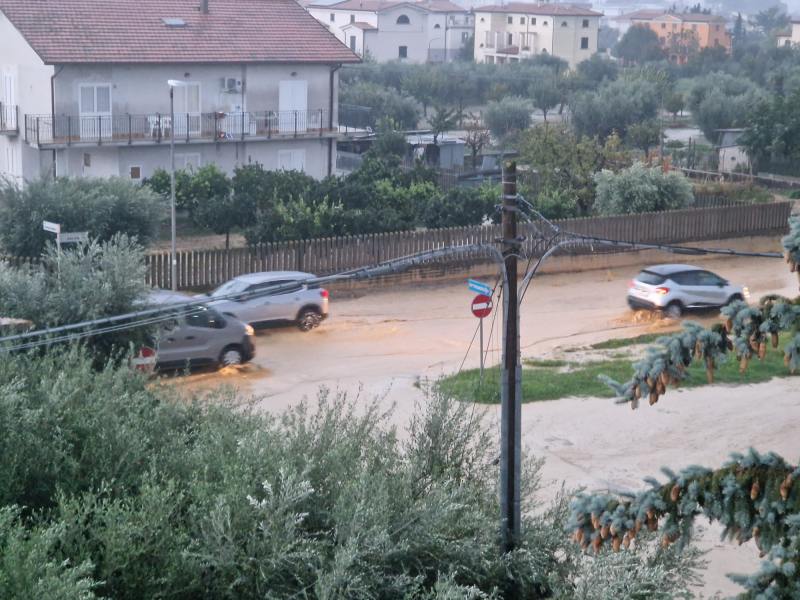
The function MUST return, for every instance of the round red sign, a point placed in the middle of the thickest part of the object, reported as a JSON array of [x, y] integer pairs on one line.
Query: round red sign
[[482, 306]]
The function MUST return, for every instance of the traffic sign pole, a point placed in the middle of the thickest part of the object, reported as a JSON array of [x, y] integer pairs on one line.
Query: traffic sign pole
[[481, 307], [481, 355]]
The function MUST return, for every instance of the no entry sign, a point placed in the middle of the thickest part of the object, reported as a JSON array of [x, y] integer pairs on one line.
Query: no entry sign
[[482, 306]]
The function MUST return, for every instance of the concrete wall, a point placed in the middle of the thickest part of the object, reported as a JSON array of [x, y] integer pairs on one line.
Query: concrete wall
[[567, 40], [384, 45], [32, 94], [143, 89], [342, 18]]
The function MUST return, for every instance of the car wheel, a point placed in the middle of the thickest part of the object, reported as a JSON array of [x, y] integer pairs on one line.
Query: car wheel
[[674, 310], [308, 319], [231, 356]]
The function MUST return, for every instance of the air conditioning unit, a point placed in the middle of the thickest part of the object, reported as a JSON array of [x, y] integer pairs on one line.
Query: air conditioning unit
[[232, 84]]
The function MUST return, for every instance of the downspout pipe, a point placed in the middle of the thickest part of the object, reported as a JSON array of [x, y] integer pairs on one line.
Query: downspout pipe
[[330, 119], [53, 110]]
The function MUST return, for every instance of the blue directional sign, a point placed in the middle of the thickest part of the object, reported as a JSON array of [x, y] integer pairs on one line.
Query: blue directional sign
[[480, 288]]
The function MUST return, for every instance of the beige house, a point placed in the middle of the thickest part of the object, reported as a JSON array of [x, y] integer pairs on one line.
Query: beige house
[[85, 87], [520, 30], [427, 31], [790, 38]]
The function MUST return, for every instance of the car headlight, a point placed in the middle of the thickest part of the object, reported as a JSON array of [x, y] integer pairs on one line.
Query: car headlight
[[745, 292], [250, 331]]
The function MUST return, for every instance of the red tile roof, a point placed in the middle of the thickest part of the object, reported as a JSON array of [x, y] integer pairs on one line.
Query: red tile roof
[[525, 8], [646, 14], [692, 17], [378, 5], [133, 31]]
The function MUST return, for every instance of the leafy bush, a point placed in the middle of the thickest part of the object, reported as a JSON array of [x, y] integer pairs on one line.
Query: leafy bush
[[460, 207], [387, 106], [614, 107], [641, 189], [508, 116], [103, 207], [160, 183], [131, 491]]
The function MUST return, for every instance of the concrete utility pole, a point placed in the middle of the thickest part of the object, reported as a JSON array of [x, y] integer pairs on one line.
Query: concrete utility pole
[[511, 391]]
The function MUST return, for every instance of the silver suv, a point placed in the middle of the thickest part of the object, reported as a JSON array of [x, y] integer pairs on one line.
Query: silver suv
[[675, 288], [198, 335], [302, 303]]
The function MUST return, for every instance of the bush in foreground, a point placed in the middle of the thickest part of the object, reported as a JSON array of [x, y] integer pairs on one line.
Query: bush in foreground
[[641, 189]]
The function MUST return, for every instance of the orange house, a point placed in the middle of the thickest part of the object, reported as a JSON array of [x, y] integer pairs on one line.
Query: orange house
[[684, 34]]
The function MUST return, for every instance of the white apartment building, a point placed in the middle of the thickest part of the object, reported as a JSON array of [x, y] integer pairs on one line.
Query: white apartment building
[[85, 87], [520, 30], [427, 31]]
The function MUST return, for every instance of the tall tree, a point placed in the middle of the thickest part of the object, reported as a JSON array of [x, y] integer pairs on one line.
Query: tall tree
[[477, 135], [545, 92], [508, 117], [639, 45], [443, 120], [423, 84], [770, 20]]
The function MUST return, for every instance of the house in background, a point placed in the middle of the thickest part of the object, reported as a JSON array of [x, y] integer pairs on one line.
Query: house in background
[[427, 31], [519, 30], [86, 93], [730, 155], [624, 21], [790, 37], [683, 34]]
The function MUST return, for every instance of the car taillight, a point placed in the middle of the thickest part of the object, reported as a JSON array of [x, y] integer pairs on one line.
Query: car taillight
[[323, 293], [661, 290], [631, 283]]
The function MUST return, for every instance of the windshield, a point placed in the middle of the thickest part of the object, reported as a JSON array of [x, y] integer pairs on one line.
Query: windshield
[[650, 278], [231, 287]]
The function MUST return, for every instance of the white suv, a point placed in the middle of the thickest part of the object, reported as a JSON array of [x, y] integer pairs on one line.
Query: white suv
[[303, 304]]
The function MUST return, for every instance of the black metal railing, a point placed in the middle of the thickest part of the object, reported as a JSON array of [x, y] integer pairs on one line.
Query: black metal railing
[[9, 118], [156, 128], [355, 118]]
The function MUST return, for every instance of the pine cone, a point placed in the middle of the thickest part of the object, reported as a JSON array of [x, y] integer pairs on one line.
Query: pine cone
[[697, 353], [729, 323], [660, 389], [664, 541], [762, 350], [663, 379], [786, 486], [595, 522], [652, 525], [730, 345], [597, 542], [616, 543], [626, 542], [743, 365], [787, 358], [788, 256], [604, 531], [650, 383], [754, 491], [637, 392], [675, 493], [637, 526], [651, 514], [633, 404], [612, 530], [774, 340], [653, 398], [579, 535], [753, 343]]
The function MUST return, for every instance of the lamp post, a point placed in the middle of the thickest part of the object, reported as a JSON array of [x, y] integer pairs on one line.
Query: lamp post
[[429, 47], [173, 83]]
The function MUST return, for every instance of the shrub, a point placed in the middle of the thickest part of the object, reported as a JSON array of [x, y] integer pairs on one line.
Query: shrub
[[460, 207], [103, 207], [641, 189], [507, 117]]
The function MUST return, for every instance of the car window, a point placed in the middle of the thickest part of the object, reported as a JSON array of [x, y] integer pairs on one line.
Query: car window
[[685, 278], [650, 278], [290, 290], [231, 287], [207, 319], [706, 278]]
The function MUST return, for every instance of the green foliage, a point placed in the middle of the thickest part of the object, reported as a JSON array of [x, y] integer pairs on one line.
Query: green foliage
[[674, 104], [770, 20], [556, 203], [565, 161], [546, 91], [597, 69], [642, 189], [214, 204], [508, 117], [639, 45], [103, 207], [644, 136], [160, 183], [443, 120], [614, 107], [390, 144], [387, 106], [91, 281], [460, 207], [425, 86], [773, 128]]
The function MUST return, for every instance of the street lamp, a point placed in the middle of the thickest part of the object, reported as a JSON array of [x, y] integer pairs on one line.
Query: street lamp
[[173, 83], [429, 47]]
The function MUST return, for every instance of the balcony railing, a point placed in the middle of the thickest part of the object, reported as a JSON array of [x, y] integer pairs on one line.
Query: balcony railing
[[8, 118], [44, 130]]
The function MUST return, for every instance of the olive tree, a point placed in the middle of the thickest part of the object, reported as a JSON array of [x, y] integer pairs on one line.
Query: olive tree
[[641, 189]]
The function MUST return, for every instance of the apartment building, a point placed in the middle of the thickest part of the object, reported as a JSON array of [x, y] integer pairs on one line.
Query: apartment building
[[85, 86], [419, 32], [520, 30], [684, 34]]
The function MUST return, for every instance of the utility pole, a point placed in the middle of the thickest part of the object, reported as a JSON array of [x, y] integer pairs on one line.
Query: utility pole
[[511, 391]]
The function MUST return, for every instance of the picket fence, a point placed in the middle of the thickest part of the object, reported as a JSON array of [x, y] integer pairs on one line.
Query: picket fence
[[199, 269]]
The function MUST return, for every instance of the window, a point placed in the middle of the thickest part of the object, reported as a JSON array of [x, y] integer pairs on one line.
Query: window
[[586, 22], [95, 99], [694, 27], [533, 20], [292, 160], [522, 20], [403, 20], [11, 168], [510, 20], [188, 162], [584, 43], [352, 18], [352, 43], [650, 278], [544, 23], [207, 319], [510, 40], [674, 25], [564, 24], [437, 26], [87, 160], [663, 26], [333, 17], [403, 52], [136, 173]]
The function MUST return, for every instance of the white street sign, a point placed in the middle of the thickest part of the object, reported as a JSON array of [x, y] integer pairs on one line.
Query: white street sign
[[51, 227], [68, 238]]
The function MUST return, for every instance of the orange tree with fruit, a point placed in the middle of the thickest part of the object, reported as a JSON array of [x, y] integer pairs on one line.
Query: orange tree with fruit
[[754, 497]]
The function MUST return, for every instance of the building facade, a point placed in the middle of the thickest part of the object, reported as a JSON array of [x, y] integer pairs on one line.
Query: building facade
[[685, 34], [86, 85], [419, 32], [516, 31], [791, 37]]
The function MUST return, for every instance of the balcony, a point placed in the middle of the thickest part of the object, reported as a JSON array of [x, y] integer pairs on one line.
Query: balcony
[[9, 123], [46, 131]]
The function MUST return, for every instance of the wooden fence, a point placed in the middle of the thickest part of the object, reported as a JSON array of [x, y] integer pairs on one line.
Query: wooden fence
[[208, 268]]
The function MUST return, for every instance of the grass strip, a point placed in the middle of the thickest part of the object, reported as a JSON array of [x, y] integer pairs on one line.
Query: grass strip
[[544, 380]]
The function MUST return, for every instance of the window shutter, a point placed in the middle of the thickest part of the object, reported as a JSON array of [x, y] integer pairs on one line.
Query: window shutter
[[87, 99], [103, 98]]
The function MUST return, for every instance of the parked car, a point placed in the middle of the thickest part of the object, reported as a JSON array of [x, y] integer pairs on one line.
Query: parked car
[[199, 335], [304, 304], [676, 288]]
